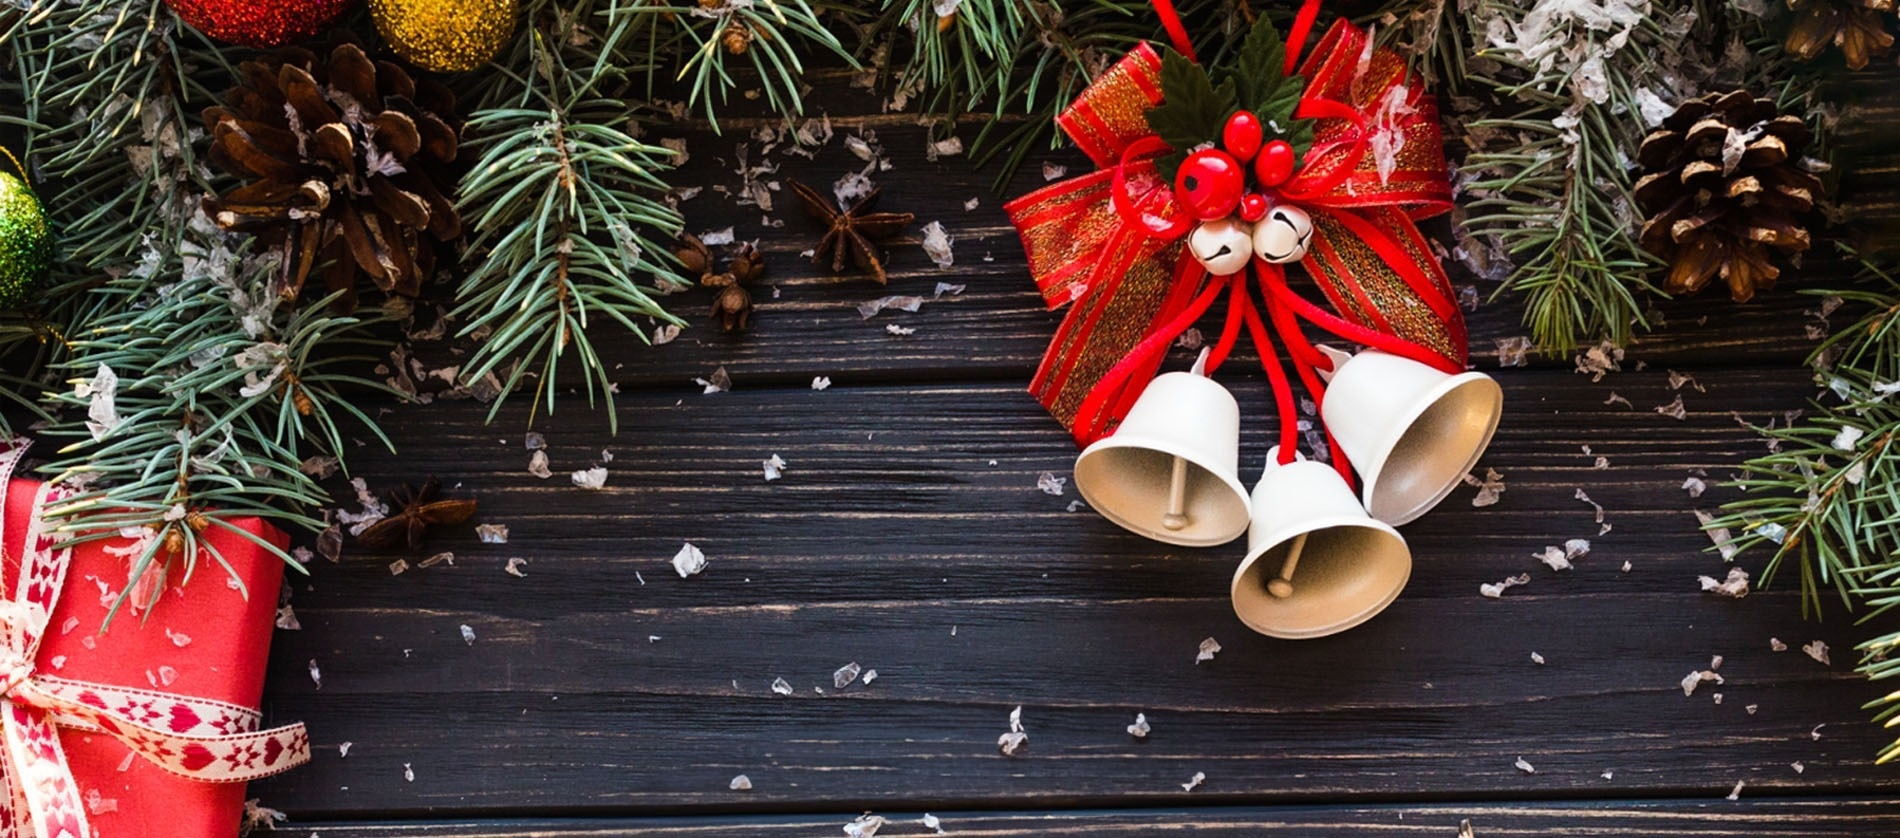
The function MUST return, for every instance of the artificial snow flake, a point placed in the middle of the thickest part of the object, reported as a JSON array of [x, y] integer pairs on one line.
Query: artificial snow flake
[[1140, 728], [1694, 486], [1050, 484], [1677, 379], [845, 675], [102, 411], [343, 749], [1674, 409], [1798, 767], [931, 821], [1525, 766], [1488, 489], [1195, 781], [665, 333], [1600, 360], [408, 773], [178, 638], [1775, 644], [1537, 659], [900, 331], [1724, 542], [1848, 438], [1698, 678], [937, 244], [1209, 648], [1736, 793], [821, 382], [398, 567], [1512, 350], [869, 676], [468, 634], [740, 783], [1051, 171], [774, 467], [865, 826], [514, 567], [719, 382], [1464, 829], [1013, 741], [316, 675], [1554, 556], [492, 533], [1616, 399], [287, 619], [591, 478], [895, 302], [689, 560], [1496, 591], [1735, 585], [1818, 651], [166, 675], [781, 686], [538, 465]]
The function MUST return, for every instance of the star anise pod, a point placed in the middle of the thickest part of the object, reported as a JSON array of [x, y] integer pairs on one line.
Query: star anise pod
[[732, 306], [416, 511], [854, 233]]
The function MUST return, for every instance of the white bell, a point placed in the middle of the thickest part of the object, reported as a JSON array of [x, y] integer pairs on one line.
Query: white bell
[[1224, 246], [1316, 563], [1171, 469], [1283, 235], [1410, 430]]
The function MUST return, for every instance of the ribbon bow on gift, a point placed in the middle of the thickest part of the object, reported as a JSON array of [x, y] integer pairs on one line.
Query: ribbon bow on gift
[[196, 738], [1110, 243]]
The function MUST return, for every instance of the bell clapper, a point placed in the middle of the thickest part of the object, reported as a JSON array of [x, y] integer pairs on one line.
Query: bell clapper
[[1177, 497], [1282, 587]]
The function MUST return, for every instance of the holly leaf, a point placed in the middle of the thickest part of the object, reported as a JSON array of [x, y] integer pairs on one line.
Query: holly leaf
[[1262, 63], [1193, 109]]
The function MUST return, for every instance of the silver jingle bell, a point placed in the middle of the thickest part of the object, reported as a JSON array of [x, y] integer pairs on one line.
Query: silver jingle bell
[[1224, 246]]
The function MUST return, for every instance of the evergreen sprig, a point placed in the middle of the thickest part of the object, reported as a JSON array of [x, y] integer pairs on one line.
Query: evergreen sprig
[[767, 37], [1824, 497], [566, 203]]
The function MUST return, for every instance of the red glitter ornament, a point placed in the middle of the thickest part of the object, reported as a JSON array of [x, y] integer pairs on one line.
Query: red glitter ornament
[[260, 23], [1209, 184]]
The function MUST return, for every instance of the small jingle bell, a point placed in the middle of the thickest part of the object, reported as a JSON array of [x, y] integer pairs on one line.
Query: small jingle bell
[[1283, 236], [1210, 184], [1223, 246]]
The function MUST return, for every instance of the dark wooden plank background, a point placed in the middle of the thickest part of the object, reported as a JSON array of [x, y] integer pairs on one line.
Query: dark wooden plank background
[[603, 694]]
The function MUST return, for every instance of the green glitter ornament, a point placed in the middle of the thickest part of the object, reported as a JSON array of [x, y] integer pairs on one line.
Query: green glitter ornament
[[26, 243]]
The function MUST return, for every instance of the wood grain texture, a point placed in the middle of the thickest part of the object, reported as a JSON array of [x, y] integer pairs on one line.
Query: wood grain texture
[[604, 683], [1708, 818]]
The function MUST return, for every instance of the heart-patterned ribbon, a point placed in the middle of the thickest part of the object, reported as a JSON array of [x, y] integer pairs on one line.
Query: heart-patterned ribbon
[[196, 738]]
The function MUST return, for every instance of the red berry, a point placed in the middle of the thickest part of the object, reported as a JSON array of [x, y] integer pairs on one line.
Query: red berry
[[1253, 207], [1274, 165], [1209, 184], [1241, 138]]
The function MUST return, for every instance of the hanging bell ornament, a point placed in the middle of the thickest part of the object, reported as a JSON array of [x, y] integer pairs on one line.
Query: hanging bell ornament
[[260, 23], [26, 244], [447, 36], [1282, 237], [1224, 246]]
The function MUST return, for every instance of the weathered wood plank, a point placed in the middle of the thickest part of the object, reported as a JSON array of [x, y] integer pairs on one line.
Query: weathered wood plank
[[891, 530], [1710, 818]]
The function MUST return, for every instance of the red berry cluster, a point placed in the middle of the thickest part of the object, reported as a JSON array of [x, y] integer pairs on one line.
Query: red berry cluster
[[1212, 182]]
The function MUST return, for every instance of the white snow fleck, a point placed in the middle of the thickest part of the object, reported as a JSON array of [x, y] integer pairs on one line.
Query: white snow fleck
[[1724, 542], [343, 749], [1496, 591], [492, 533], [689, 560], [1736, 793], [1140, 728], [664, 334], [408, 773], [1051, 171], [1195, 781], [538, 465], [1050, 484], [780, 686], [1525, 766], [1012, 742], [178, 638], [1775, 644], [1209, 648], [774, 467], [1736, 585], [1695, 486], [1696, 679], [591, 478], [869, 676], [937, 242], [895, 302], [1488, 489], [845, 675], [865, 826], [1848, 438], [468, 635], [719, 382], [821, 382], [740, 783], [1537, 659], [900, 331], [514, 567], [1818, 651], [1674, 409], [316, 675]]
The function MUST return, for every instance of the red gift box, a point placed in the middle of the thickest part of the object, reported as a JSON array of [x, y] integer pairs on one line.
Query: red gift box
[[187, 674]]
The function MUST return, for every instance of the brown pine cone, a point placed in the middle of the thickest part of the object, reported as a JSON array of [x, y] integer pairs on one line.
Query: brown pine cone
[[1858, 27], [1721, 185], [347, 163]]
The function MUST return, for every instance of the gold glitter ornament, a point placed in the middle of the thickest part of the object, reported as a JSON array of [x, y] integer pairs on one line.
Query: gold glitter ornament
[[26, 243], [447, 36]]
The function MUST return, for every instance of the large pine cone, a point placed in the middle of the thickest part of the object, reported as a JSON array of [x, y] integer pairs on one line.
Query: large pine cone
[[347, 160], [1858, 27], [1721, 186]]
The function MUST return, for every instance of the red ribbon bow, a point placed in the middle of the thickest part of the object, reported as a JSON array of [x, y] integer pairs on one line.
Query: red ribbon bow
[[1109, 243], [196, 738]]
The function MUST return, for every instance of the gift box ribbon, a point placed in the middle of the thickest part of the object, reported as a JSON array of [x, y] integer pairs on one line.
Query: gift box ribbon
[[1109, 244], [196, 738]]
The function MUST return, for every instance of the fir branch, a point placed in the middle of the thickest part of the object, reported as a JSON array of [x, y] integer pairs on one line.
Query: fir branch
[[566, 202], [195, 401], [1823, 497]]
